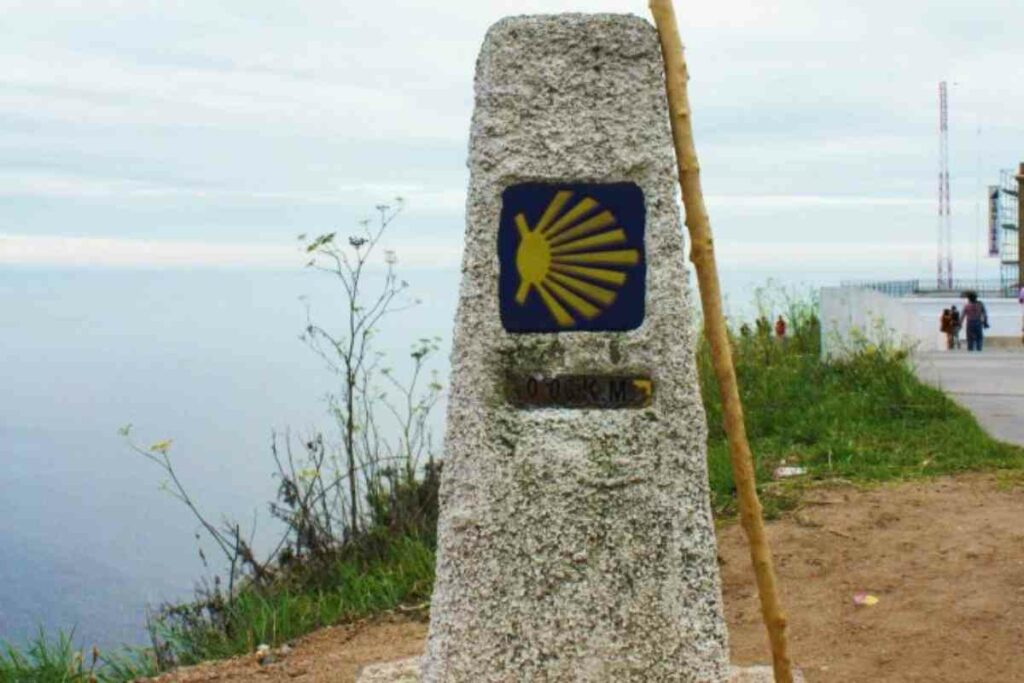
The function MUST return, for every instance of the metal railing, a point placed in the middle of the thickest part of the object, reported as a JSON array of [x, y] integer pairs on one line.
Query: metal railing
[[901, 288], [895, 288]]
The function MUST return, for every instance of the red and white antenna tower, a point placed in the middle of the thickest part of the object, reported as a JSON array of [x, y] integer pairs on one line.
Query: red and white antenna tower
[[945, 230]]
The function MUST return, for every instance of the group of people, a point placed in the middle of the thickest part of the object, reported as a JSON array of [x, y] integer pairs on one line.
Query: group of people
[[974, 318]]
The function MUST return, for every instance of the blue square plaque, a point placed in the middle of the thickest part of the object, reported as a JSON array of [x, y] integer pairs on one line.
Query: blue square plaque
[[572, 257]]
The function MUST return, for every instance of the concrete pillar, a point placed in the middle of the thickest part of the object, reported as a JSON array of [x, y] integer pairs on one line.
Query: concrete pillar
[[575, 538]]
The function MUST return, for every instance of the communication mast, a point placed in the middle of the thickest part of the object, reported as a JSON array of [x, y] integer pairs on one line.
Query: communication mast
[[944, 260]]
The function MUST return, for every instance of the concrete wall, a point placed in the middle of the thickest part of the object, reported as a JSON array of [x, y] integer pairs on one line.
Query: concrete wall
[[850, 313]]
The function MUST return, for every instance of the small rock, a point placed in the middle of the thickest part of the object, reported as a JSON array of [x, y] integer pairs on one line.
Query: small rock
[[264, 655], [787, 472], [400, 671]]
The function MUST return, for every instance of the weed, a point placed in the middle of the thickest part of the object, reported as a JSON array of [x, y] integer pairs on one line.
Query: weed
[[862, 417], [346, 590], [46, 661]]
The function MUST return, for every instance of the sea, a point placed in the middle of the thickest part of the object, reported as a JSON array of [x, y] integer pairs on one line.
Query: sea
[[209, 358]]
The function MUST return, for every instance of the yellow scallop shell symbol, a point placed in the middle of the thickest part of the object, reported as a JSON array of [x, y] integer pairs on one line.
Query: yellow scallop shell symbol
[[570, 260]]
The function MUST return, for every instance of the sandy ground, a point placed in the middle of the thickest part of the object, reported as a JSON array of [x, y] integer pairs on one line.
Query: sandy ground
[[945, 558]]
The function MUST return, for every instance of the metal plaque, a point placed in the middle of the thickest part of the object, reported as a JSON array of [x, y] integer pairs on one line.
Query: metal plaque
[[572, 257], [581, 391]]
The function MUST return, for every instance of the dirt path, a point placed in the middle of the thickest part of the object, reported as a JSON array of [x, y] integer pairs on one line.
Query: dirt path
[[945, 559]]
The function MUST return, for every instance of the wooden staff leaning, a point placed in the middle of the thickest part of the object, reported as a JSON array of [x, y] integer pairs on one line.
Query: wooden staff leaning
[[703, 257]]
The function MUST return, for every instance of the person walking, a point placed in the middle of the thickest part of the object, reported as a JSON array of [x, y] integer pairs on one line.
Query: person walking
[[780, 329], [955, 326], [976, 319], [946, 328]]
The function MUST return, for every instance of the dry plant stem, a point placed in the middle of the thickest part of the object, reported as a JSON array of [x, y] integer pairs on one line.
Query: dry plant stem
[[703, 256]]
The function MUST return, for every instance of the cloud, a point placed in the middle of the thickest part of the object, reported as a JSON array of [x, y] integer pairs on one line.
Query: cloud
[[105, 252], [189, 123], [801, 201], [846, 256], [33, 183], [56, 250], [101, 91], [438, 253]]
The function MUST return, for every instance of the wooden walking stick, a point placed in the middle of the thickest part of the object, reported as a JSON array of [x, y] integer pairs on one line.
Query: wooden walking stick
[[703, 257]]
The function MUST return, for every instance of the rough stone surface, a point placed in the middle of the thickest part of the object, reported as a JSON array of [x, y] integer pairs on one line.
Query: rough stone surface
[[574, 545], [401, 671], [408, 671]]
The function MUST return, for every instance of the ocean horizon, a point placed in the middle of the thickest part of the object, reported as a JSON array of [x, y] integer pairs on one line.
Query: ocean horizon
[[210, 358]]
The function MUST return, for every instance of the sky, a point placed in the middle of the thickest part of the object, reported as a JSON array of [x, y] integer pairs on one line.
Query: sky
[[143, 133]]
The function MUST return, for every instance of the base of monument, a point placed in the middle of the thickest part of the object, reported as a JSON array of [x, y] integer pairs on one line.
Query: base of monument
[[408, 671]]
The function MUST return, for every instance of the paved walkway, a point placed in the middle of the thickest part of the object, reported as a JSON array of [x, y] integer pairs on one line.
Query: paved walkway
[[989, 384]]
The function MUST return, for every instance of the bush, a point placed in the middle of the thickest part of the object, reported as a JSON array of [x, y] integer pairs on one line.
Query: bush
[[864, 416], [47, 661], [358, 514]]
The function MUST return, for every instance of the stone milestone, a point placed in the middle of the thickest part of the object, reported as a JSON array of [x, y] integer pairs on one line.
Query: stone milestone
[[575, 537]]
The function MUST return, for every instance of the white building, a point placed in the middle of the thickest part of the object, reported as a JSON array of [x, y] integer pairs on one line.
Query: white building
[[849, 314]]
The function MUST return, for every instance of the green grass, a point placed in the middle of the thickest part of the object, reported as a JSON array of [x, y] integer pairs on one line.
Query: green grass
[[350, 590], [347, 591], [863, 419], [43, 661], [47, 661]]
